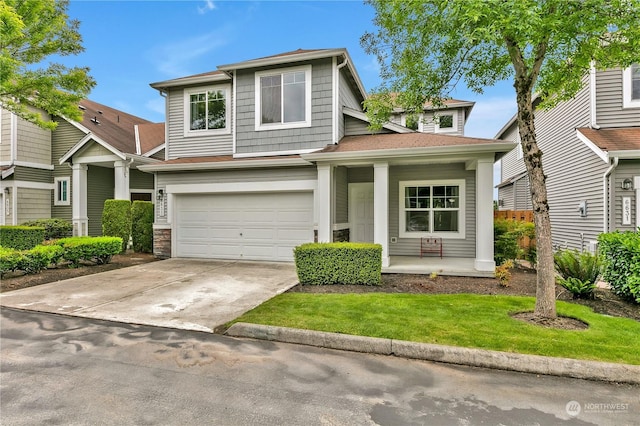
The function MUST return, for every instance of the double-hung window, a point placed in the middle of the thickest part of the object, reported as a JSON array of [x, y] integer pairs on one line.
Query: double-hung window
[[283, 98], [446, 122], [61, 191], [631, 86], [206, 110], [432, 209]]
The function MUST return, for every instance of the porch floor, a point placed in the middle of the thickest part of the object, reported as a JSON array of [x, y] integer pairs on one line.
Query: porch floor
[[456, 266]]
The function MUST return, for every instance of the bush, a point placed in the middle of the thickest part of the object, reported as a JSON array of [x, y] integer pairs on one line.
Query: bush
[[10, 260], [92, 249], [621, 257], [116, 220], [503, 273], [579, 272], [30, 261], [53, 228], [142, 226], [508, 234], [21, 237], [339, 263]]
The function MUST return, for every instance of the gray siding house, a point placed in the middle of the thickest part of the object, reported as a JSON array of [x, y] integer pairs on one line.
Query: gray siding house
[[591, 147], [69, 172], [266, 154]]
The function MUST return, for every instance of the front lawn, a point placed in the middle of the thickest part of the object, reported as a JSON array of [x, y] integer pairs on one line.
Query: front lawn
[[461, 320]]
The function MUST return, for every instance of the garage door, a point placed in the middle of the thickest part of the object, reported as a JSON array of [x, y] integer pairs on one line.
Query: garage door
[[243, 226]]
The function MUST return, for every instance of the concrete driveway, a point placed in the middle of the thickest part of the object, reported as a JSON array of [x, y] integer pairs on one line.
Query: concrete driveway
[[189, 294]]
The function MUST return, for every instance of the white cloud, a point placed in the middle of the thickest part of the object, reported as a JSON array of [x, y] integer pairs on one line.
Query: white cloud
[[208, 6]]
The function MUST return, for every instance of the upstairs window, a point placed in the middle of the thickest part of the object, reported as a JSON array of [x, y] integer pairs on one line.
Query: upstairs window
[[206, 110], [283, 98], [631, 86], [446, 122]]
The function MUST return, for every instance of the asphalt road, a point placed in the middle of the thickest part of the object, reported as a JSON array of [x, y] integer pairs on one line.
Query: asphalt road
[[62, 370]]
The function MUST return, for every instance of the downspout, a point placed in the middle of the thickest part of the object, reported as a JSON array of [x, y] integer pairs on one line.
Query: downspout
[[592, 96], [336, 104], [605, 194], [164, 94]]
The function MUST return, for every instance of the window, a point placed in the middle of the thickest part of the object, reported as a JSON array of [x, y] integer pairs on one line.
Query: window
[[61, 194], [631, 86], [446, 121], [283, 98], [432, 208], [206, 110]]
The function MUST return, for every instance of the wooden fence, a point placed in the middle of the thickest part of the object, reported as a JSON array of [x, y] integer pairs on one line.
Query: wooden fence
[[523, 215]]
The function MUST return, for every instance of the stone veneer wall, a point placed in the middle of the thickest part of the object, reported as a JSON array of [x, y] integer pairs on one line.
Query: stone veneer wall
[[162, 243]]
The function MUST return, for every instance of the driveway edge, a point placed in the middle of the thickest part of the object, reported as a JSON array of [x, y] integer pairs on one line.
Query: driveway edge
[[534, 364]]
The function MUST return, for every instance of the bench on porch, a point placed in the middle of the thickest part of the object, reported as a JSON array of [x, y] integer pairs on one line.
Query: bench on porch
[[431, 245]]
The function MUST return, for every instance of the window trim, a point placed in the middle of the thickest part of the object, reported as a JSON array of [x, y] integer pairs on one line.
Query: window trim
[[460, 234], [56, 193], [258, 99], [454, 114], [187, 110], [627, 102]]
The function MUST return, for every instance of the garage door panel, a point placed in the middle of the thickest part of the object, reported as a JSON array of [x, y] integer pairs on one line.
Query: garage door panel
[[248, 226]]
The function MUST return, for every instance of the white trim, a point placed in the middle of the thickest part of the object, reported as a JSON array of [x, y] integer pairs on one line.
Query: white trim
[[340, 226], [154, 150], [335, 87], [41, 166], [161, 226], [28, 185], [592, 95], [600, 153], [13, 134], [56, 195], [322, 200], [187, 110], [454, 117], [460, 234], [190, 80], [249, 163], [275, 153], [88, 137], [234, 119], [381, 209], [636, 185], [484, 260], [231, 187], [8, 172], [259, 126], [2, 205], [632, 154], [627, 102], [98, 159], [136, 131], [141, 191]]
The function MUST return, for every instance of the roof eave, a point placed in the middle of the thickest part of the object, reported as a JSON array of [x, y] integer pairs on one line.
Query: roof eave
[[188, 81], [279, 60], [235, 164], [628, 154]]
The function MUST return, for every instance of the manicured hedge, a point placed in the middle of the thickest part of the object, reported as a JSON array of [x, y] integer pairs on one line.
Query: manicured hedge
[[53, 228], [339, 263], [21, 237], [116, 220], [142, 226], [621, 255], [30, 261], [91, 249]]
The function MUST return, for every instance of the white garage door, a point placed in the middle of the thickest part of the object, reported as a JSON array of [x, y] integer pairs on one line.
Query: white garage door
[[243, 226]]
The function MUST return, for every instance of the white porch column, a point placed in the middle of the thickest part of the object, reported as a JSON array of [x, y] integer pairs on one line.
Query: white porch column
[[121, 177], [381, 209], [325, 172], [79, 199], [484, 215], [636, 186]]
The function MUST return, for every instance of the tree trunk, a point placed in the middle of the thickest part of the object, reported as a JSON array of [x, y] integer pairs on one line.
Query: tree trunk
[[545, 290]]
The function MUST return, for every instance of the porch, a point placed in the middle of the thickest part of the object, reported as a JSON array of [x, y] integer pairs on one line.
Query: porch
[[455, 266]]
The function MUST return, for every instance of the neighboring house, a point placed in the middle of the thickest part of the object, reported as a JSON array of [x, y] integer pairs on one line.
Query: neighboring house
[[267, 154], [591, 156], [449, 119], [69, 172]]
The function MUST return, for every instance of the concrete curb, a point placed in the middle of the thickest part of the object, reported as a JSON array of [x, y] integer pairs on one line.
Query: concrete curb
[[564, 367]]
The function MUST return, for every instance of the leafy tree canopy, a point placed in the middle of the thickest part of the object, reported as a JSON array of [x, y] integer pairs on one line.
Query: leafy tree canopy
[[426, 48], [30, 32]]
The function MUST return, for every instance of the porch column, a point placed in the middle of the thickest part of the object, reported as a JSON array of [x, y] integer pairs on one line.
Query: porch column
[[636, 186], [121, 177], [484, 215], [323, 199], [79, 200], [381, 209]]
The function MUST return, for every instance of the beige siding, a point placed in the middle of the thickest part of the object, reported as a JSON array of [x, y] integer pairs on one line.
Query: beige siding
[[341, 195], [33, 204], [626, 169], [347, 97], [355, 127], [34, 143], [32, 175], [93, 149], [180, 146], [609, 110], [5, 136], [62, 140]]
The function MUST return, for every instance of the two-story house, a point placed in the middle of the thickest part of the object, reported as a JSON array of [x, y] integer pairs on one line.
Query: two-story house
[[69, 172], [448, 119], [591, 156], [266, 154]]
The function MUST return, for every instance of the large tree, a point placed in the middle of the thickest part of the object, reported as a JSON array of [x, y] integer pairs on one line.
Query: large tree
[[546, 47], [31, 31]]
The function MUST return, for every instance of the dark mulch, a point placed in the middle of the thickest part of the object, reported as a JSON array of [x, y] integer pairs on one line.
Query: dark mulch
[[523, 283]]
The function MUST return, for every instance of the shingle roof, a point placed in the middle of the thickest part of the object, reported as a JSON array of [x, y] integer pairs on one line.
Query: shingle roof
[[151, 135], [618, 139]]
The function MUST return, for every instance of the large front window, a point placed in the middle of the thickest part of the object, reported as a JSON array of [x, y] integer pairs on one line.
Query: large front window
[[206, 110], [283, 98], [432, 208]]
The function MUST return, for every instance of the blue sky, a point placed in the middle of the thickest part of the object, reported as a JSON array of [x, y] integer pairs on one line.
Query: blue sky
[[130, 44]]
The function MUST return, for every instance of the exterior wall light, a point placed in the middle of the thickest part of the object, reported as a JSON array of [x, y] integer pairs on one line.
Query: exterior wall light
[[627, 184]]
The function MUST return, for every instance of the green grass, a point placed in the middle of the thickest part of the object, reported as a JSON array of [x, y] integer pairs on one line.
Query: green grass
[[460, 320]]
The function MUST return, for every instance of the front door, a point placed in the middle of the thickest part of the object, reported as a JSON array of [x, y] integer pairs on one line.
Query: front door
[[361, 212]]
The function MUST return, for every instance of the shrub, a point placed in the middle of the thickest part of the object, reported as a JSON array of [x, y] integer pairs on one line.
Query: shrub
[[339, 263], [9, 260], [142, 226], [503, 273], [621, 257], [579, 272], [53, 228], [39, 258], [116, 220], [92, 249], [508, 234], [21, 237]]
